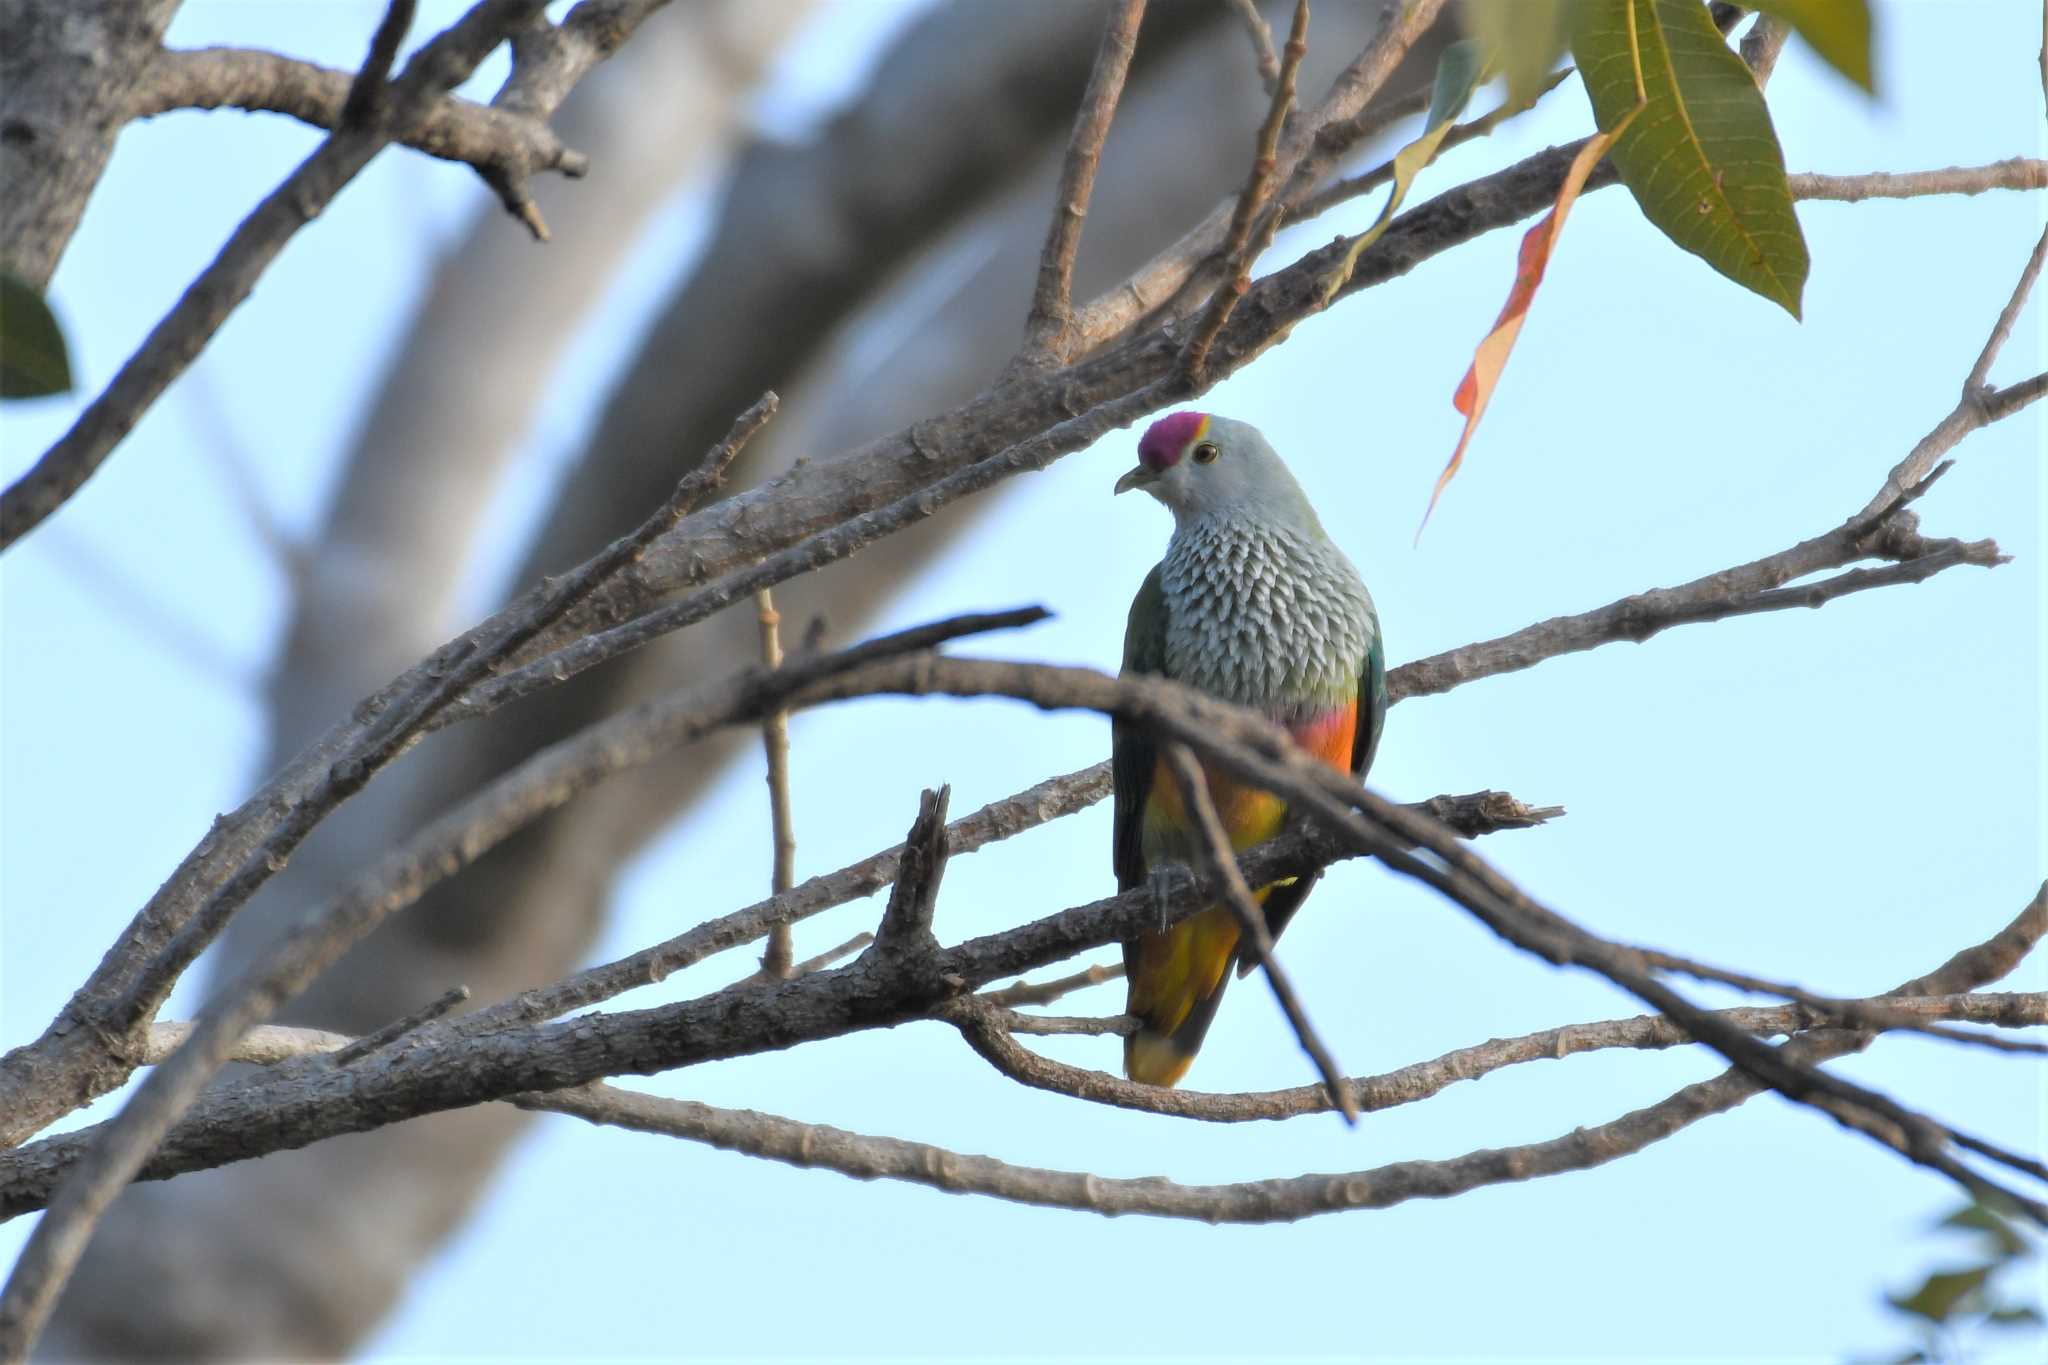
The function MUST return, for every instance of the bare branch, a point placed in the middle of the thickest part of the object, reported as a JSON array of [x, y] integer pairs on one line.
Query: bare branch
[[454, 129], [1050, 1025], [398, 1028], [2002, 329], [1242, 244], [402, 724], [366, 93], [1281, 1200], [2013, 173], [987, 1032], [264, 1046], [460, 1062], [1044, 993], [74, 1059], [776, 962], [2007, 401], [184, 331], [548, 779], [1738, 591], [1052, 299], [1261, 36], [1220, 867]]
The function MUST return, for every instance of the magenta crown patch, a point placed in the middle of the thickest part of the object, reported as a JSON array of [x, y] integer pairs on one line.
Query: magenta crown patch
[[1164, 441]]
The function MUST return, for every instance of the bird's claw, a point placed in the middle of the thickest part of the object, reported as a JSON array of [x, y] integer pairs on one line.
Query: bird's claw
[[1167, 881]]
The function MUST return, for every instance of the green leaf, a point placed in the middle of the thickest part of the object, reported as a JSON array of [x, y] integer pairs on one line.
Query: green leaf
[[1838, 30], [34, 361], [1458, 74], [1977, 1218], [2013, 1315], [1702, 160], [1942, 1293], [1523, 40]]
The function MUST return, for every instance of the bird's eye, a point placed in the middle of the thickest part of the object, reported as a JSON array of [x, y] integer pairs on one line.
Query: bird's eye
[[1206, 453]]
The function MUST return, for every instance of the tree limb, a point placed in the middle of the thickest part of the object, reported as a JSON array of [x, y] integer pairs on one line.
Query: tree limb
[[1052, 298], [1278, 1200]]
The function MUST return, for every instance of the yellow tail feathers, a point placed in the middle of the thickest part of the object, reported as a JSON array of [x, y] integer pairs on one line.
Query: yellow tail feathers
[[1176, 980]]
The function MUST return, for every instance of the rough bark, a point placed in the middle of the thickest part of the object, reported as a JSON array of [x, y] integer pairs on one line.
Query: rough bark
[[65, 72]]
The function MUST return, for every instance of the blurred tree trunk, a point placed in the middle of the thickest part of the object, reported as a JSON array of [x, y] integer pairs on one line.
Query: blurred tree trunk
[[876, 274]]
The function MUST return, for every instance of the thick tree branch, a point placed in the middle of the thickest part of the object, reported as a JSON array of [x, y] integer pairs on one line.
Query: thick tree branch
[[65, 71]]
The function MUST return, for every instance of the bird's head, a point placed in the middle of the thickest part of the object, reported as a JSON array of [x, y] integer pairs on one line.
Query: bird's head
[[1203, 466]]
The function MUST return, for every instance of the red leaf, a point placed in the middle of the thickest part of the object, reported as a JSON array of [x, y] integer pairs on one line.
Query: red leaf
[[1492, 356]]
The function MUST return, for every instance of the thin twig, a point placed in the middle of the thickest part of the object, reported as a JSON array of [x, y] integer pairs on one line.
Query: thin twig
[[1193, 264], [54, 1248], [1050, 1025], [986, 1032], [1045, 992], [776, 961], [1261, 34], [1220, 868], [2002, 329], [1242, 244], [2013, 173], [366, 94], [1052, 299], [398, 1028]]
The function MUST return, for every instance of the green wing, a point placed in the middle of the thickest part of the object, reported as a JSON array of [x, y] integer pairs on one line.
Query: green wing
[[1132, 756], [1372, 706]]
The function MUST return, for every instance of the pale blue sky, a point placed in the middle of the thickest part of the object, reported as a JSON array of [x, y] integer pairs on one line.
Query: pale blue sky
[[1840, 798]]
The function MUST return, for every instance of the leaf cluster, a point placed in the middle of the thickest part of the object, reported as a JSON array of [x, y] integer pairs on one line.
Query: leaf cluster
[[1954, 1304]]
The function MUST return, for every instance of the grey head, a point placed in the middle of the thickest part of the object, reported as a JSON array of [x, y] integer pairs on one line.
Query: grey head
[[1206, 468]]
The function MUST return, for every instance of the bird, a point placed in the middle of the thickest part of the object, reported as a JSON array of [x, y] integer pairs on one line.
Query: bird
[[1253, 604]]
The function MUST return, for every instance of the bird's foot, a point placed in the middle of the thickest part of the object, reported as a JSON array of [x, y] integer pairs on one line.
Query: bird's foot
[[1168, 881]]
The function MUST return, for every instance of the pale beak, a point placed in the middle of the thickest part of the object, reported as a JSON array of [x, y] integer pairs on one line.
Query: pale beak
[[1140, 477]]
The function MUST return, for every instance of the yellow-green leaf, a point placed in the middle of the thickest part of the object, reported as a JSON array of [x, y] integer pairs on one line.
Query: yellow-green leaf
[[1458, 73], [1942, 1293], [1702, 161], [1838, 30], [34, 361], [1523, 40]]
